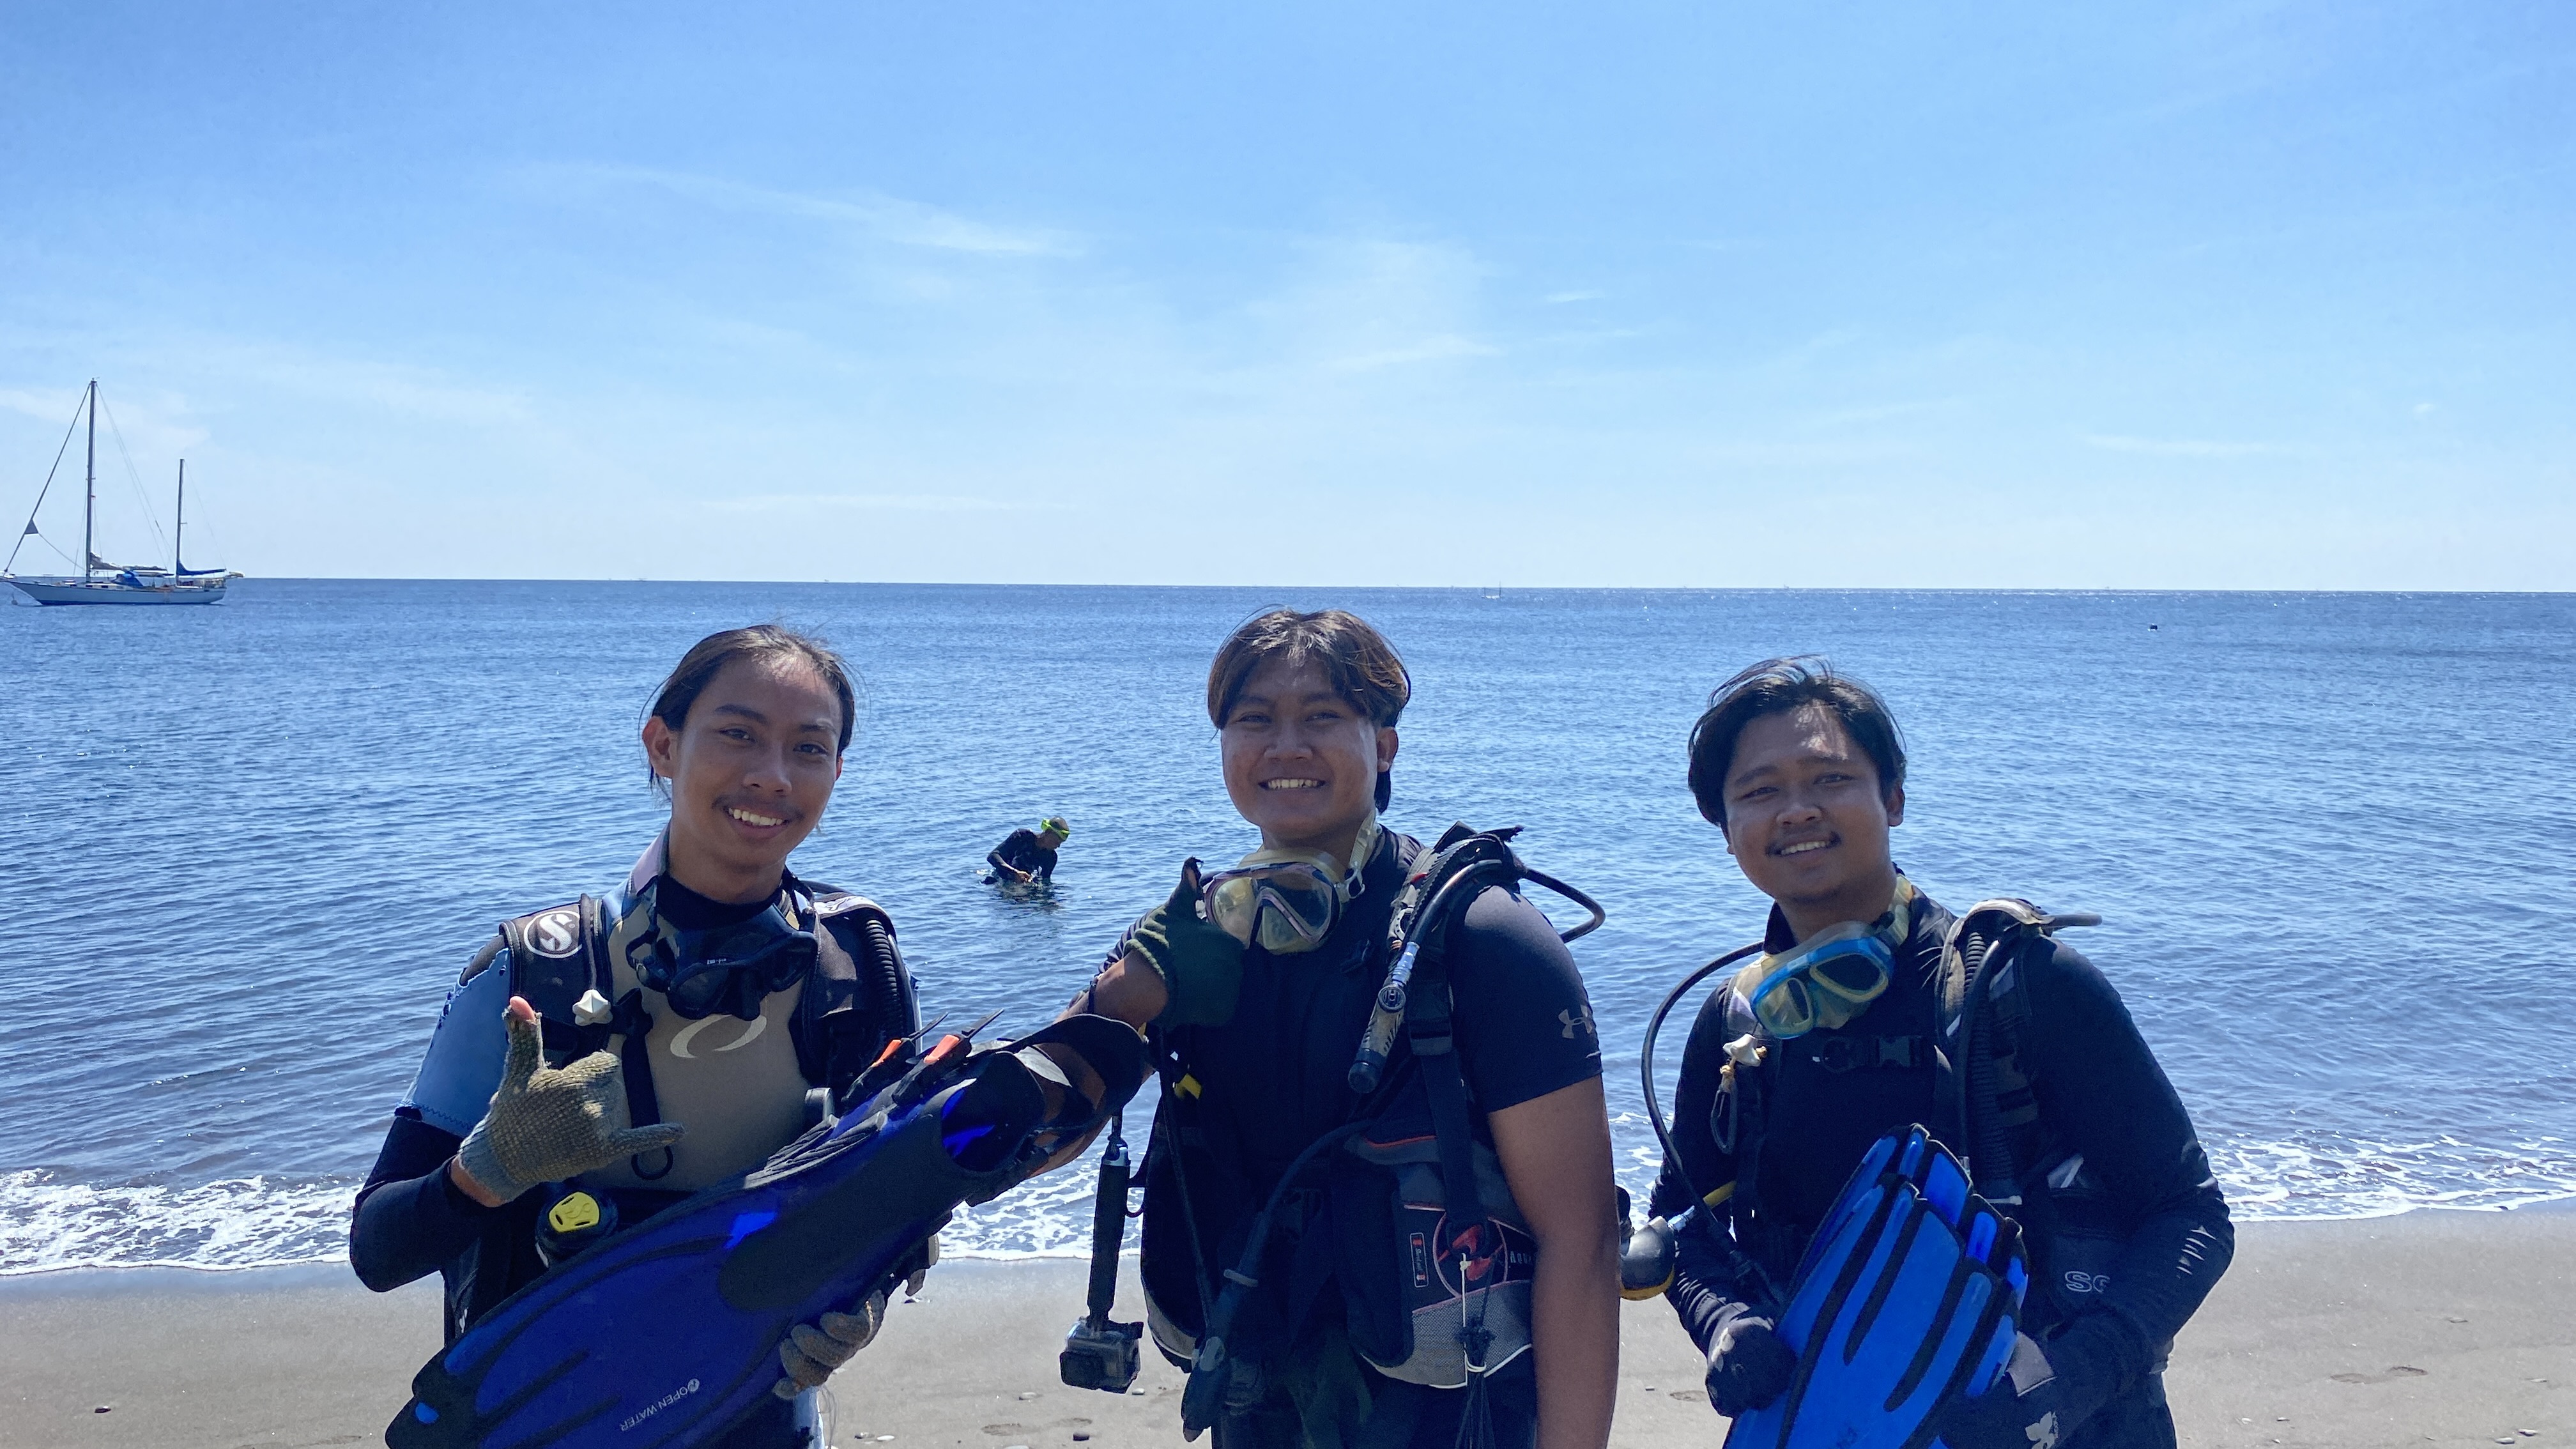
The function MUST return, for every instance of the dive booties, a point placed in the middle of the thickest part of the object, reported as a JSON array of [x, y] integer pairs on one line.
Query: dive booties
[[667, 1333], [1907, 1298]]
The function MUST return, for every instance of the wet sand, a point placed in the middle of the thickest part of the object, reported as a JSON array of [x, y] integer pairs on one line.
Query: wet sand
[[2432, 1328]]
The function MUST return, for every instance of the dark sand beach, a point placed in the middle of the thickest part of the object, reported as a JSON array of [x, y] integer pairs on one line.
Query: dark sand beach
[[2440, 1328]]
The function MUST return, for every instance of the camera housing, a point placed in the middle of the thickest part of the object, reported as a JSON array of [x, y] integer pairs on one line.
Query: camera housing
[[1100, 1355]]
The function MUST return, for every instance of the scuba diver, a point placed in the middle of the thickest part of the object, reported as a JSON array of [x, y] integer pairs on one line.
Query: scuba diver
[[1027, 857], [1298, 1258], [548, 1111], [1870, 1008]]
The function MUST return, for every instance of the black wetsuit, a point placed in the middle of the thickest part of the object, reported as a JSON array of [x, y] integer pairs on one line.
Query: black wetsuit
[[2145, 1193], [1275, 1078], [1022, 850]]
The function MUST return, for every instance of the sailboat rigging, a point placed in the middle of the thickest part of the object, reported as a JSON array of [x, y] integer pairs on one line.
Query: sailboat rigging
[[99, 581]]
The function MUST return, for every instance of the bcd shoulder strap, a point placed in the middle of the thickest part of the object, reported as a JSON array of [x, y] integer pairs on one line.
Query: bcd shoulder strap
[[1435, 897], [1982, 1097], [558, 956]]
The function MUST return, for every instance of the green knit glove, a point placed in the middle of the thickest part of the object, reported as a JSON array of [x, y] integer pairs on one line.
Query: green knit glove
[[552, 1124], [812, 1350], [1201, 966]]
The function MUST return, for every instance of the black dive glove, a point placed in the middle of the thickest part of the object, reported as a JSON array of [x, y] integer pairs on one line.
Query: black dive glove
[[2042, 1394], [1749, 1367], [1201, 966]]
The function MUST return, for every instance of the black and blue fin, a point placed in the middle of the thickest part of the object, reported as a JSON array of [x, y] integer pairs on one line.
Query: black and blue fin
[[723, 1275], [1908, 1295]]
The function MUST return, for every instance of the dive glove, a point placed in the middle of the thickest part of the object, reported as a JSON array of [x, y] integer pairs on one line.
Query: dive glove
[[552, 1124], [2042, 1394], [1201, 966], [812, 1350], [1749, 1367]]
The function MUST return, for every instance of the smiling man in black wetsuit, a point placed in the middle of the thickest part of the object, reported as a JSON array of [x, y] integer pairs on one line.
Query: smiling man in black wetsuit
[[2127, 1230], [1254, 1037]]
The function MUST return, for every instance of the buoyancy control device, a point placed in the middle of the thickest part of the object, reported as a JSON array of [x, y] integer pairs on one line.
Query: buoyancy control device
[[858, 1000], [1984, 1109], [1433, 1257]]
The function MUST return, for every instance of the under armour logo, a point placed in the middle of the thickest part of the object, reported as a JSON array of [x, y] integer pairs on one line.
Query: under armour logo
[[1571, 1020], [2043, 1435]]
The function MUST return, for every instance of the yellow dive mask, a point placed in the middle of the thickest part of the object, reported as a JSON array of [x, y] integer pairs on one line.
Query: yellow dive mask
[[1285, 901]]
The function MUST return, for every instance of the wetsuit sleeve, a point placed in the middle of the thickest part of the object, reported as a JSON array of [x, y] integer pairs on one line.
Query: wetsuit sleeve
[[410, 1219], [1704, 1291], [2100, 1087], [1524, 1023], [1014, 851]]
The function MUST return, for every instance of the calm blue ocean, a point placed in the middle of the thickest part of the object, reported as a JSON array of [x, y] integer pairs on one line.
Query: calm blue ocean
[[246, 848]]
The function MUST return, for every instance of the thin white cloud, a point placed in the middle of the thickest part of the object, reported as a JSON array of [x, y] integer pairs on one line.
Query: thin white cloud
[[1429, 349], [43, 406], [873, 502], [887, 218], [2178, 447], [1559, 299], [1875, 412]]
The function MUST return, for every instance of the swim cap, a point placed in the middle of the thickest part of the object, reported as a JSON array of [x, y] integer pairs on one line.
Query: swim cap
[[1054, 824]]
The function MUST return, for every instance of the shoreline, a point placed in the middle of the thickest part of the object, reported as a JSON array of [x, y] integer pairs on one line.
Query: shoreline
[[2432, 1326], [338, 1266]]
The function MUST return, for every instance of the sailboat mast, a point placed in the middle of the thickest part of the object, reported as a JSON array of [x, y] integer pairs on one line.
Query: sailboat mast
[[89, 508], [179, 525]]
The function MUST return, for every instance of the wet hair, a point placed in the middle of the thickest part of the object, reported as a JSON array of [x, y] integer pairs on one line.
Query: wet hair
[[1779, 686], [1362, 667], [766, 643]]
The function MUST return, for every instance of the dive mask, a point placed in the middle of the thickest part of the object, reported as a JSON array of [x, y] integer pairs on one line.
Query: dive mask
[[1286, 901], [723, 968], [1823, 981], [1287, 905]]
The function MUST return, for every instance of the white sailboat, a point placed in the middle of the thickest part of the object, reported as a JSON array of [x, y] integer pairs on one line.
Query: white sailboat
[[101, 582]]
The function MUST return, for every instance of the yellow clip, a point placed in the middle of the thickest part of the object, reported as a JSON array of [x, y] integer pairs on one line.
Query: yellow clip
[[1187, 1086], [1640, 1295], [1719, 1194], [577, 1210]]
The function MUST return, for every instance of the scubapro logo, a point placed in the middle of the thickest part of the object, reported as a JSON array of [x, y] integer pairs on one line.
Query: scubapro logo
[[2081, 1282], [658, 1405], [555, 933]]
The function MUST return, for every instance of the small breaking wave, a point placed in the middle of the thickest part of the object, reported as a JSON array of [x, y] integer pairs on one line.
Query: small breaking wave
[[272, 1221], [248, 1222], [2326, 1176], [269, 1221], [2332, 1175]]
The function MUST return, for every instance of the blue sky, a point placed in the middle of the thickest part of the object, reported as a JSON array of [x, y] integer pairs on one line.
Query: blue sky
[[2195, 295]]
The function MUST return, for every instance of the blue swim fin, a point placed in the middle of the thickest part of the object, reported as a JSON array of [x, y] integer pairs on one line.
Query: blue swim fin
[[1908, 1296], [666, 1334]]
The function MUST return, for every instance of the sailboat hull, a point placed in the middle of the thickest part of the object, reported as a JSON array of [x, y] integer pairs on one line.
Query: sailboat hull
[[108, 591]]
